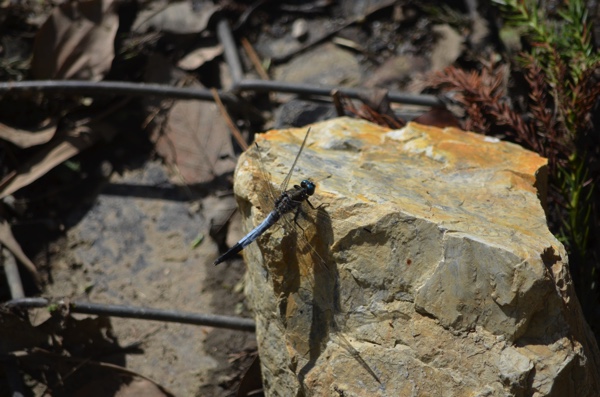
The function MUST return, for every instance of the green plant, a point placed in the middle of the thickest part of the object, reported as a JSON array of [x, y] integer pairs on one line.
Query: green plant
[[563, 58], [559, 68]]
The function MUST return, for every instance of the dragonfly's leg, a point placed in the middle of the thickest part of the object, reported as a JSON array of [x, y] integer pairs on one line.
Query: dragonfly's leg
[[322, 205], [296, 215]]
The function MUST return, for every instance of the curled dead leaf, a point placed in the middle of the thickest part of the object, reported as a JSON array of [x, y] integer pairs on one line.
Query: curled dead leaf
[[195, 141], [77, 41], [198, 57], [62, 148], [183, 17], [25, 138], [8, 240]]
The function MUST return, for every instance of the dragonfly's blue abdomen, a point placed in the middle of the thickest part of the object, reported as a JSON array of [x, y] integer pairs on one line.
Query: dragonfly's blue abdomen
[[269, 221]]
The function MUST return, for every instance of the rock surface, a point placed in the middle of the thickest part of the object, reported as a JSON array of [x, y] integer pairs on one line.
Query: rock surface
[[432, 271]]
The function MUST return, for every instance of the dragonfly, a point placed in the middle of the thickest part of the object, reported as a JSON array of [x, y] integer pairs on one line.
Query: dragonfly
[[324, 284], [289, 201]]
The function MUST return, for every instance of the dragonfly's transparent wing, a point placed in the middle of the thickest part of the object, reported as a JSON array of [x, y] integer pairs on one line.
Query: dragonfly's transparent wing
[[286, 181], [301, 223], [307, 286]]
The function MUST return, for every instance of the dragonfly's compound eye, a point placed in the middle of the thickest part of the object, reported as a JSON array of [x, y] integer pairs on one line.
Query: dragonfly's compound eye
[[309, 186]]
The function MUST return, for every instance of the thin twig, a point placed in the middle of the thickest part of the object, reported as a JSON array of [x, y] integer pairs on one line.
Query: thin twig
[[254, 59], [234, 130]]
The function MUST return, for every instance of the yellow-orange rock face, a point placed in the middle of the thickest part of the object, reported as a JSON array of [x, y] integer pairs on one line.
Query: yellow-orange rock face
[[430, 269]]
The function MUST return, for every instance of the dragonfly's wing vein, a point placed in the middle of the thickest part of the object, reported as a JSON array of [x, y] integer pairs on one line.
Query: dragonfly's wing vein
[[322, 294], [286, 181], [353, 352], [268, 195]]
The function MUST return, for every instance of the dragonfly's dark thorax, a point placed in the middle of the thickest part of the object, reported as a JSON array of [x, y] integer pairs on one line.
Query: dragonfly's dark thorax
[[291, 199]]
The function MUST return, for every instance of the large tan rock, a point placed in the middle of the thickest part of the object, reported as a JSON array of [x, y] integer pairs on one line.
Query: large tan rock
[[432, 272]]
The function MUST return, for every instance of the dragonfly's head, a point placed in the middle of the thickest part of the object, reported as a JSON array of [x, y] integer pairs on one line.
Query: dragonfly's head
[[308, 186]]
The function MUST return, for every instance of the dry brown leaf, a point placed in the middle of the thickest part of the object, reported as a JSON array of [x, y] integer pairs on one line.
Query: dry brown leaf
[[8, 240], [25, 138], [193, 140], [198, 57], [63, 147], [182, 17], [77, 41]]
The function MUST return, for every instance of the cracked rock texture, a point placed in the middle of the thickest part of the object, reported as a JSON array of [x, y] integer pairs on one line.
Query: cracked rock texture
[[430, 270]]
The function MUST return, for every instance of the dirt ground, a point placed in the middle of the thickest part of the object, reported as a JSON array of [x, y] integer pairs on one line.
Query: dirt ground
[[133, 246]]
